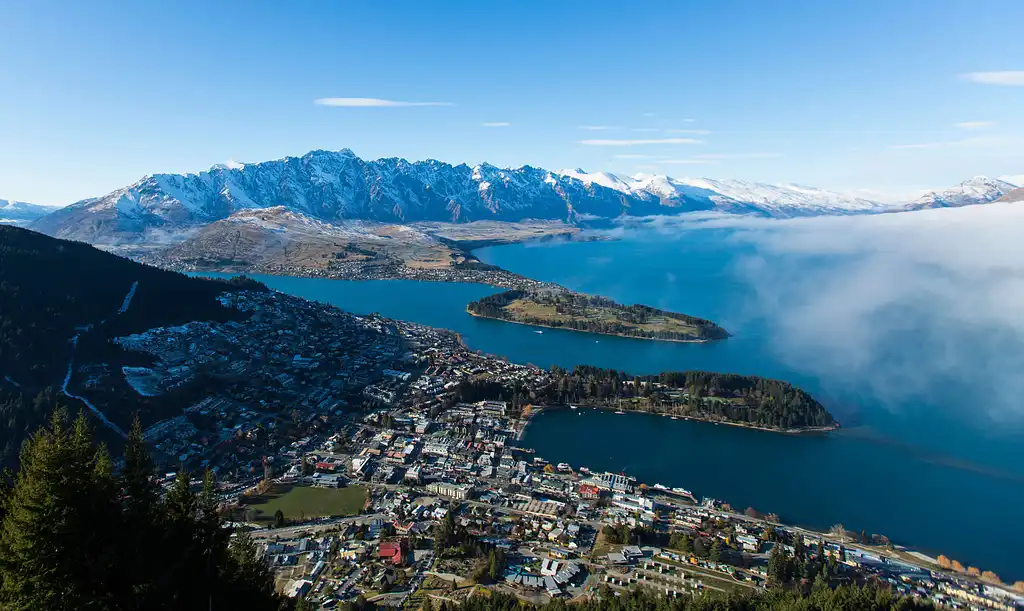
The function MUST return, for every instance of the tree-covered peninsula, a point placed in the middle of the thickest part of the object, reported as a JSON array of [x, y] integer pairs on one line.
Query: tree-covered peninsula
[[719, 397], [728, 398], [594, 314]]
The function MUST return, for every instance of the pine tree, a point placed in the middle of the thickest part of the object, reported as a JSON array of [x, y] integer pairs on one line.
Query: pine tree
[[75, 536]]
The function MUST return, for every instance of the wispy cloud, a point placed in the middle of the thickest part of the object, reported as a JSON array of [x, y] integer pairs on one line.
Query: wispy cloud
[[599, 128], [973, 124], [372, 103], [645, 129], [696, 132], [631, 156], [936, 145], [739, 155], [690, 161], [650, 114], [919, 145], [640, 142], [689, 120], [495, 124], [1008, 78]]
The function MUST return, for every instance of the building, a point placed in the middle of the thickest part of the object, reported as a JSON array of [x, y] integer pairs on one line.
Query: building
[[395, 552], [447, 489]]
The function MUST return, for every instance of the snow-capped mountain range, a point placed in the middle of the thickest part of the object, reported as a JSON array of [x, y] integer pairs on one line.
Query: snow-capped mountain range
[[333, 186], [19, 213]]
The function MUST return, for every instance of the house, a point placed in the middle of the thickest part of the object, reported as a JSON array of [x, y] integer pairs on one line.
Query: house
[[395, 552], [632, 553], [589, 491]]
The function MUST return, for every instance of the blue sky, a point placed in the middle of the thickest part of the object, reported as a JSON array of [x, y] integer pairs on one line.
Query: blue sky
[[857, 95]]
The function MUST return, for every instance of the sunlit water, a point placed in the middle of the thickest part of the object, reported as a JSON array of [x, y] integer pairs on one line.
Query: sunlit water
[[928, 469]]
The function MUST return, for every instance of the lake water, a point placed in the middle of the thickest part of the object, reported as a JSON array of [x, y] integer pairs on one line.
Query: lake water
[[918, 462]]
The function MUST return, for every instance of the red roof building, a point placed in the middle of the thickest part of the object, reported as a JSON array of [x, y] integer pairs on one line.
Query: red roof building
[[394, 551]]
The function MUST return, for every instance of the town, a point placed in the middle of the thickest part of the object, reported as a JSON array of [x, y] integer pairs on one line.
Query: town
[[382, 461]]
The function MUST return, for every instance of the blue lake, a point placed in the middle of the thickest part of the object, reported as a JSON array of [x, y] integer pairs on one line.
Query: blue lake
[[927, 467]]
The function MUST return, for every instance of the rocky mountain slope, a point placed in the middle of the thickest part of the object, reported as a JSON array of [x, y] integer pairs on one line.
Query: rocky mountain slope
[[978, 190], [331, 187], [1017, 195]]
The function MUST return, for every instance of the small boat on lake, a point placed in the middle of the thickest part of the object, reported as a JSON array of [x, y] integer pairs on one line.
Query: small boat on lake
[[620, 412]]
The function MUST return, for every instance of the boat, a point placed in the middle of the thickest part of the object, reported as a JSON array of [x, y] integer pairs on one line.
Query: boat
[[571, 406], [674, 418], [539, 332], [682, 491], [620, 412]]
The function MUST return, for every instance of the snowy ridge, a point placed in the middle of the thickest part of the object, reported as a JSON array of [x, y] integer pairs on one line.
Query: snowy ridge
[[978, 190], [329, 187], [19, 213], [732, 195]]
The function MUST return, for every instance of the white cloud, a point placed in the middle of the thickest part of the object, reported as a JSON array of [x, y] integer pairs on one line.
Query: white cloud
[[689, 120], [645, 129], [650, 114], [739, 155], [640, 142], [696, 132], [495, 124], [973, 124], [1010, 78], [684, 161], [631, 156], [936, 145], [598, 128], [372, 103]]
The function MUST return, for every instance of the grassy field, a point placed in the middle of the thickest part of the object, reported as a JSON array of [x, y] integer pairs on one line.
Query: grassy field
[[302, 502]]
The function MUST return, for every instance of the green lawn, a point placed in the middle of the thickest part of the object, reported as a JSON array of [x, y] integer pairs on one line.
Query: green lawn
[[302, 502]]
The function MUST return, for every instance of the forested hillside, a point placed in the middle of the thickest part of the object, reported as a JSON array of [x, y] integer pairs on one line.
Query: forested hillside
[[52, 291]]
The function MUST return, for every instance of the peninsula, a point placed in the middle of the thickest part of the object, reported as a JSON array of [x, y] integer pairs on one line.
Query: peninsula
[[727, 398], [563, 309]]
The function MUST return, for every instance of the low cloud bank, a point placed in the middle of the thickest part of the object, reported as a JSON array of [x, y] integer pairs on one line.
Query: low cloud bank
[[913, 308]]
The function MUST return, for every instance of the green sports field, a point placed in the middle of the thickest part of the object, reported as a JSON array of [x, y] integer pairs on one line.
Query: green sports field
[[303, 502]]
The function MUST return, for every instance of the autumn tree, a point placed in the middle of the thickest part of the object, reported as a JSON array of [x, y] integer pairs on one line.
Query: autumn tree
[[991, 577]]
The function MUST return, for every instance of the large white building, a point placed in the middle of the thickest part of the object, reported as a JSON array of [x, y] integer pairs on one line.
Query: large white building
[[450, 490]]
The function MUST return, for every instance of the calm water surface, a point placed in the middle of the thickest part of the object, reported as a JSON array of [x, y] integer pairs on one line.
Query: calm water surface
[[926, 471]]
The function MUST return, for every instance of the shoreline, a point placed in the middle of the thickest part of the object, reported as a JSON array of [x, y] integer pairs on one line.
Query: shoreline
[[794, 432], [650, 339]]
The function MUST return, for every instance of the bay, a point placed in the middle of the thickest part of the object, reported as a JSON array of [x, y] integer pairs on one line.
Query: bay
[[923, 468]]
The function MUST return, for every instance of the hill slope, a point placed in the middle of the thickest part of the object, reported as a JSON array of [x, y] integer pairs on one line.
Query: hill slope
[[58, 298]]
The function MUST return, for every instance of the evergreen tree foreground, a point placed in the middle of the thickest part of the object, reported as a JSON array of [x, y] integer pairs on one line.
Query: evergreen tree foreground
[[76, 535]]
